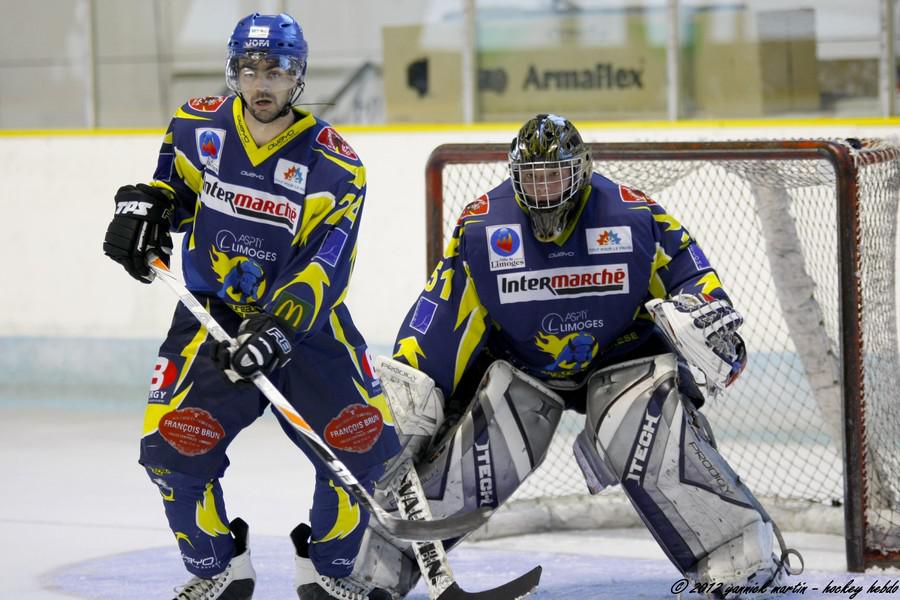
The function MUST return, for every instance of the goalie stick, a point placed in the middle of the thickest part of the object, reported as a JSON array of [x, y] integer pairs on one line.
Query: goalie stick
[[432, 558], [403, 529]]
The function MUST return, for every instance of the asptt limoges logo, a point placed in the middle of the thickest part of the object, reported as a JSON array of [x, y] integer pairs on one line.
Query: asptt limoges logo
[[550, 284], [250, 204]]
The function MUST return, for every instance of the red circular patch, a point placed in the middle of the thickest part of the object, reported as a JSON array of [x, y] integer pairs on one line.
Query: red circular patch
[[356, 429], [191, 431]]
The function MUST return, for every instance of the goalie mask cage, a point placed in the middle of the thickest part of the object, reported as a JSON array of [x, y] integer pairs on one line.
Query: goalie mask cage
[[803, 236]]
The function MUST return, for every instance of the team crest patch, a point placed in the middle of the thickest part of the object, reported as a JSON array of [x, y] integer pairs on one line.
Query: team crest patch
[[329, 138], [505, 249], [632, 195], [356, 429], [481, 206], [209, 147], [609, 240], [191, 431], [291, 175], [207, 103]]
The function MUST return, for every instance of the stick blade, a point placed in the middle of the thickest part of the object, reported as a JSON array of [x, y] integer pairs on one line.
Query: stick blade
[[515, 589], [438, 529]]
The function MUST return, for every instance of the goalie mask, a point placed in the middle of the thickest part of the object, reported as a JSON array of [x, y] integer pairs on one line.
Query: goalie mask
[[266, 64], [550, 167]]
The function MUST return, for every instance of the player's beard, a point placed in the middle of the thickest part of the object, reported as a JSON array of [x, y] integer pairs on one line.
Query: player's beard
[[265, 108]]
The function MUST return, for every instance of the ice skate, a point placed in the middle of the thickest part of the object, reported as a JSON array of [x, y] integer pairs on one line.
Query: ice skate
[[236, 582], [314, 586]]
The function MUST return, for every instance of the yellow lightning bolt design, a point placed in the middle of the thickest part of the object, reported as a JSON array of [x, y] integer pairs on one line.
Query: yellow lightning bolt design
[[315, 208], [472, 312], [155, 412], [207, 516], [668, 220], [660, 261], [314, 276], [350, 205], [358, 171], [409, 350], [183, 114], [191, 175], [452, 248], [190, 351], [347, 517], [709, 283], [183, 536]]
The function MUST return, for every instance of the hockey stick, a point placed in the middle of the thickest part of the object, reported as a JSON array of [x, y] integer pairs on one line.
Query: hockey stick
[[400, 528], [432, 558]]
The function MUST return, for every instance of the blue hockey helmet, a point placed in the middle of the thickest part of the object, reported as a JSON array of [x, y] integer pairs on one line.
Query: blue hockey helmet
[[550, 167], [277, 39]]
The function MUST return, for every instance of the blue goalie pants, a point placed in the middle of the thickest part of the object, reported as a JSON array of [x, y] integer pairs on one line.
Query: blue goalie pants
[[194, 412]]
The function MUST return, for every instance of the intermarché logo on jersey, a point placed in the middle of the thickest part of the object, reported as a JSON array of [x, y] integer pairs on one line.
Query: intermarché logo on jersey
[[570, 282], [250, 204]]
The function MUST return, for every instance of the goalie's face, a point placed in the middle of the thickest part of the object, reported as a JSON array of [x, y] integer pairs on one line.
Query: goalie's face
[[545, 185]]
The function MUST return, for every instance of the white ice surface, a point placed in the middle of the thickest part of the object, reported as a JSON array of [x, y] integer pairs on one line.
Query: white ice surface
[[79, 518]]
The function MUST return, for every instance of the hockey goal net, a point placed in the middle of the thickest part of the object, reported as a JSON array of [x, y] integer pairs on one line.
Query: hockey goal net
[[803, 236]]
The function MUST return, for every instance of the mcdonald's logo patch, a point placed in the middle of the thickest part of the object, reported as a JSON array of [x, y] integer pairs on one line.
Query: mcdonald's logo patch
[[292, 311]]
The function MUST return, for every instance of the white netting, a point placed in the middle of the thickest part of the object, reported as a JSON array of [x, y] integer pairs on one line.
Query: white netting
[[770, 227]]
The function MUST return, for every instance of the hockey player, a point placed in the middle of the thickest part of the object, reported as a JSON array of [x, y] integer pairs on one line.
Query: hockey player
[[562, 290], [269, 200]]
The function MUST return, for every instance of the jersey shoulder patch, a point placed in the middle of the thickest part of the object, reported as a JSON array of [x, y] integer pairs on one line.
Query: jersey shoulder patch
[[207, 104], [628, 194], [332, 141], [481, 206], [207, 108]]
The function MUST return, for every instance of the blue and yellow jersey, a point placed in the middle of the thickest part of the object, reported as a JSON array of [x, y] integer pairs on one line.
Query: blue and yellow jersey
[[556, 309], [269, 228]]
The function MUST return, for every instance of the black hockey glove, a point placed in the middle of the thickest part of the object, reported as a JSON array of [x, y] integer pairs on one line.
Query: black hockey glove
[[260, 345], [139, 227]]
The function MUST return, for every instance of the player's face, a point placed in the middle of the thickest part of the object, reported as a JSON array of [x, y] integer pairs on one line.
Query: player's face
[[544, 185], [266, 87]]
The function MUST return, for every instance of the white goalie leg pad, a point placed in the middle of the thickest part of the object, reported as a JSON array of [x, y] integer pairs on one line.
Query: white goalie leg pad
[[498, 442], [416, 405], [654, 442]]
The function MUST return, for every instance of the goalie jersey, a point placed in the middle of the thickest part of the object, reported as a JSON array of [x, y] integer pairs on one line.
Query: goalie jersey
[[555, 310], [268, 228]]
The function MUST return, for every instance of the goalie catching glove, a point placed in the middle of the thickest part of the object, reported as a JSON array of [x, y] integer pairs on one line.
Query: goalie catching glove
[[704, 331], [260, 346], [139, 228]]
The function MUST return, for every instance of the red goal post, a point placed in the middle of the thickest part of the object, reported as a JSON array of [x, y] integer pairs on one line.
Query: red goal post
[[803, 235]]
